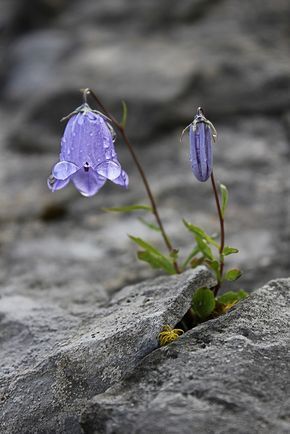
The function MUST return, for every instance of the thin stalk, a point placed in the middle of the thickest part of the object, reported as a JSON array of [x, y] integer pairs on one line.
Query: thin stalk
[[222, 232], [189, 257], [123, 133]]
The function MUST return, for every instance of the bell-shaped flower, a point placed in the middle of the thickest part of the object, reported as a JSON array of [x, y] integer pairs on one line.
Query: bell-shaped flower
[[88, 157], [201, 135]]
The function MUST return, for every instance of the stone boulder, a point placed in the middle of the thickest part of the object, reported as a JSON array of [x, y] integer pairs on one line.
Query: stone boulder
[[52, 362], [230, 375]]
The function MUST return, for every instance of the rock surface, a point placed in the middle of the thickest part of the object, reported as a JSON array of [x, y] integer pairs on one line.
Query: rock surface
[[230, 375], [53, 362]]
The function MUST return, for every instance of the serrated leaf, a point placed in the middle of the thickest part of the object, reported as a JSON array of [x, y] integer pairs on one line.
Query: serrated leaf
[[203, 303], [129, 208], [200, 233], [225, 198], [149, 225], [204, 248], [232, 297], [124, 114], [233, 274], [229, 250], [156, 261]]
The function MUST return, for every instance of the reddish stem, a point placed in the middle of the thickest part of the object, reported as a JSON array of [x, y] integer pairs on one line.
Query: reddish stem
[[222, 232], [122, 131]]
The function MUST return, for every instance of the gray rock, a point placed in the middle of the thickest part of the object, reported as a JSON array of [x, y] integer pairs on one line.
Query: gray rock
[[53, 361], [227, 376]]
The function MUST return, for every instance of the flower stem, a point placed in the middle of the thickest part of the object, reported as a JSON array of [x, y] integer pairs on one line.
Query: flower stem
[[222, 233], [155, 211]]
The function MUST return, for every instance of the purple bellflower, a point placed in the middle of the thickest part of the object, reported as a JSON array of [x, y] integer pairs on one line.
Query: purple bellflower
[[201, 134], [88, 157]]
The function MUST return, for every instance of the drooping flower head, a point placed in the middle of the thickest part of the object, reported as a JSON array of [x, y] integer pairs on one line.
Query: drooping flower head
[[201, 135], [88, 157]]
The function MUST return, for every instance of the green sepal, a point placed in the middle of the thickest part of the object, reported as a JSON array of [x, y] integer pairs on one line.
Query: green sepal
[[229, 250], [129, 208], [225, 198], [203, 303], [233, 274], [197, 231]]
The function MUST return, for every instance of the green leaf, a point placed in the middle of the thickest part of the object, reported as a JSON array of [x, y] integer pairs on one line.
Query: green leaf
[[156, 261], [200, 233], [145, 245], [153, 256], [232, 297], [203, 302], [215, 266], [124, 114], [204, 248], [233, 274], [149, 225], [229, 250], [225, 198], [129, 208], [242, 294]]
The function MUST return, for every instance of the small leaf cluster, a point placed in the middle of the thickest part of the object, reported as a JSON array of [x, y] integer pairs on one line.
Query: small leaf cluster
[[153, 256], [205, 244], [206, 306], [149, 253]]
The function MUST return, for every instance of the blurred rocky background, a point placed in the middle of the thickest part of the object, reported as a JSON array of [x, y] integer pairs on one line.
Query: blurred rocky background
[[66, 333], [165, 59]]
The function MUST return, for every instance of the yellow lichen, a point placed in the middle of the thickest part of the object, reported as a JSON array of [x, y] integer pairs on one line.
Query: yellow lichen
[[168, 335], [227, 307]]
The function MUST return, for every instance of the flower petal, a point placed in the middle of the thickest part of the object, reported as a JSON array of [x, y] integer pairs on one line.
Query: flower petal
[[109, 169], [201, 151], [122, 180], [55, 184], [87, 139], [87, 182], [63, 170]]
